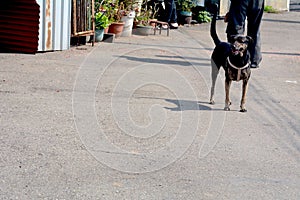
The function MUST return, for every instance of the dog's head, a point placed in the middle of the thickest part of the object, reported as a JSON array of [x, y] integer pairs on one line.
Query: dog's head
[[240, 44]]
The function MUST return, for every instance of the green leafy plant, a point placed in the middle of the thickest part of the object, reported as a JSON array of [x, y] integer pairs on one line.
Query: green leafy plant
[[185, 5], [101, 20], [129, 5], [270, 9], [142, 20], [204, 17], [98, 4], [115, 9], [145, 14], [111, 8]]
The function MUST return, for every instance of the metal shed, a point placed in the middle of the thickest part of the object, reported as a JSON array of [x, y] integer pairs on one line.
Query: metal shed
[[19, 24], [55, 25], [29, 26]]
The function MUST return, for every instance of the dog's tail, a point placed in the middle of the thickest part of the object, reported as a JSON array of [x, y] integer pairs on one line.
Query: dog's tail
[[213, 32]]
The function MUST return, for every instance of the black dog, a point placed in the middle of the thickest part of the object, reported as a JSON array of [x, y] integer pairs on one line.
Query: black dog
[[235, 59]]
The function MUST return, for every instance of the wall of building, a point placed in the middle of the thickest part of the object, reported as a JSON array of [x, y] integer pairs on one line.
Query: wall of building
[[281, 5]]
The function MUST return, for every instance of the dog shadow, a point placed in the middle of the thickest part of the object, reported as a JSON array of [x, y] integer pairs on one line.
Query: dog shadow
[[183, 105], [169, 60]]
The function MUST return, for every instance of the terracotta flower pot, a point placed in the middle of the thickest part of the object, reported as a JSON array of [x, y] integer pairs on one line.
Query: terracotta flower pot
[[116, 28]]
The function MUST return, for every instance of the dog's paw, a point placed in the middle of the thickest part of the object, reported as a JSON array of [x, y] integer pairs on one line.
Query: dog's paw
[[227, 108]]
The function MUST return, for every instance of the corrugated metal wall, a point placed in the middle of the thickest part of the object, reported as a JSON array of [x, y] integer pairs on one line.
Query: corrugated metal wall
[[55, 25], [19, 24], [29, 26]]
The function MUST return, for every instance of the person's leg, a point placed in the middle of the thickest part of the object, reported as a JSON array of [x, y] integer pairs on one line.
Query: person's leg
[[237, 17], [173, 18], [168, 9], [171, 15], [254, 20]]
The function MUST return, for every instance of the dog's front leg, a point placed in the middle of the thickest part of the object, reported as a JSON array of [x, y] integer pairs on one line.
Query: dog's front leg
[[214, 75], [227, 91], [244, 92]]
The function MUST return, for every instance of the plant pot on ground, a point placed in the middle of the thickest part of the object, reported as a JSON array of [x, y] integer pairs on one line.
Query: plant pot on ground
[[143, 19], [118, 10], [143, 26], [144, 30], [101, 23], [185, 11], [116, 28], [128, 24]]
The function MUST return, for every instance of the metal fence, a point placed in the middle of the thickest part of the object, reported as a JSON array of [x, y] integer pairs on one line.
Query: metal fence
[[83, 18]]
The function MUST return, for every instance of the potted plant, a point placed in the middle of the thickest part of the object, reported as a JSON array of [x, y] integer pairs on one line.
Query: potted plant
[[128, 8], [114, 14], [185, 10], [120, 15], [101, 23], [142, 20]]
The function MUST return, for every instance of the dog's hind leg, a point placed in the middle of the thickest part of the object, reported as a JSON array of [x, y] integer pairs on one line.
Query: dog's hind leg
[[214, 75], [244, 92], [227, 91]]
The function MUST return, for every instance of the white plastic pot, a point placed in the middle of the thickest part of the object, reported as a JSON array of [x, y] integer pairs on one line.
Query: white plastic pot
[[128, 20]]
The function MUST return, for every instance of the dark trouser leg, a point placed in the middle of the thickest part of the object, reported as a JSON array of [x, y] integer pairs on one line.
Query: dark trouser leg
[[254, 21], [171, 15], [174, 13], [237, 17]]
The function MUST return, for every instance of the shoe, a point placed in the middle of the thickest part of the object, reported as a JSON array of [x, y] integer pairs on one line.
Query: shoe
[[254, 66], [173, 26]]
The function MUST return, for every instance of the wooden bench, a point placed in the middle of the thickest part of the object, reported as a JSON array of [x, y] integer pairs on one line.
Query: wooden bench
[[158, 26]]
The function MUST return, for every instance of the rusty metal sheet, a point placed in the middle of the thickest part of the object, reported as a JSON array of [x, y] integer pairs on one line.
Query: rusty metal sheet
[[19, 26], [55, 25]]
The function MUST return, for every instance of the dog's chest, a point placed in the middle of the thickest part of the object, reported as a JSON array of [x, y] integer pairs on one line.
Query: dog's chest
[[237, 74]]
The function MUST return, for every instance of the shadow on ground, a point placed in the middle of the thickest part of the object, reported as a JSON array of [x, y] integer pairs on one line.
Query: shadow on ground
[[182, 62]]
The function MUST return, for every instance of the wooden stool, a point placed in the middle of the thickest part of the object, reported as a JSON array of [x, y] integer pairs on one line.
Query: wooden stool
[[161, 24]]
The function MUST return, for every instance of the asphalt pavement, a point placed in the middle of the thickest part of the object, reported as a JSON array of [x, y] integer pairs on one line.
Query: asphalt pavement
[[131, 120]]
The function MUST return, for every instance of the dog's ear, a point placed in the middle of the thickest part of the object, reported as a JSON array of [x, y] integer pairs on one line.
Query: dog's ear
[[250, 40]]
